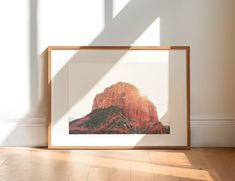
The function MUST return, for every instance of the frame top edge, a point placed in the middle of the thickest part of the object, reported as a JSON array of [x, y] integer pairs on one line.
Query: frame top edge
[[118, 48]]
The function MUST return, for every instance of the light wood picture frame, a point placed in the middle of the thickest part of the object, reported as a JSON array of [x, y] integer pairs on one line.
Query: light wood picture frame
[[87, 112]]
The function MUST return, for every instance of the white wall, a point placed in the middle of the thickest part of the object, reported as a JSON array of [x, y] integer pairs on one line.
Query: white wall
[[29, 26]]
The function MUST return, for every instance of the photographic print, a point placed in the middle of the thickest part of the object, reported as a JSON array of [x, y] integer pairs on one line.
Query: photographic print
[[118, 97], [120, 109]]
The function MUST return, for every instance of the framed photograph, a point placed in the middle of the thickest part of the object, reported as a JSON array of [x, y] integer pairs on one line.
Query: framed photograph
[[133, 97]]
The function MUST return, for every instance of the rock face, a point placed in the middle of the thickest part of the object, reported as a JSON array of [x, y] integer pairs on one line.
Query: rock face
[[127, 97], [120, 109]]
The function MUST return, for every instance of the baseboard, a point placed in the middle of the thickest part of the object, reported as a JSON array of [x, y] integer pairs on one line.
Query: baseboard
[[206, 131], [212, 131], [30, 131]]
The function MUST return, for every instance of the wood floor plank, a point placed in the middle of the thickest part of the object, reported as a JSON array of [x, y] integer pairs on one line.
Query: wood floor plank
[[142, 176], [120, 175], [9, 168], [32, 164], [98, 174]]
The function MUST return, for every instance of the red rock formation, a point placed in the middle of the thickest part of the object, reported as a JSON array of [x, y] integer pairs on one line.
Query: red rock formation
[[127, 97]]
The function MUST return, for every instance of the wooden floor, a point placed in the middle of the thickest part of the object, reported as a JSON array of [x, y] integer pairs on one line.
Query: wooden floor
[[31, 164]]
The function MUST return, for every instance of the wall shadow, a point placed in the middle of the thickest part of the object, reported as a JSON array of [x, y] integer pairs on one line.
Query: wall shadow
[[33, 54]]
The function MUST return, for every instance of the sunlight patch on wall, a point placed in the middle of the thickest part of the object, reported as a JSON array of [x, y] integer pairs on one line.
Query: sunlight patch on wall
[[14, 64], [151, 36], [75, 23], [7, 131]]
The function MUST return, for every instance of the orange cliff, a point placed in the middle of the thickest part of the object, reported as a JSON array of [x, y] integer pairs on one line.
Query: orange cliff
[[127, 97]]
